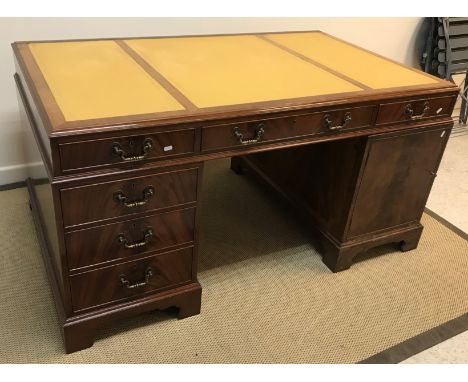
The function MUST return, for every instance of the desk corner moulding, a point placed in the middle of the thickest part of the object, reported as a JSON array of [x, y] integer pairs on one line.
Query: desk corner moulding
[[350, 139]]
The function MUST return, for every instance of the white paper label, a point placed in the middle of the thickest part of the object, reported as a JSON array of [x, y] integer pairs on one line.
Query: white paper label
[[438, 110], [168, 148]]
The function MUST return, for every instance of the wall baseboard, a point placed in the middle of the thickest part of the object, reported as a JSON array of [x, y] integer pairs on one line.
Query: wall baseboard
[[19, 172]]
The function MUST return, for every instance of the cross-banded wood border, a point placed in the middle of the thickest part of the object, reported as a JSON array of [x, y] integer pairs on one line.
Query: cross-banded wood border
[[57, 125]]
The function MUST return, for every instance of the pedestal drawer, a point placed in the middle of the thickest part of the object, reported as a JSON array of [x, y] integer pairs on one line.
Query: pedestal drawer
[[130, 280], [120, 240], [88, 155], [128, 196]]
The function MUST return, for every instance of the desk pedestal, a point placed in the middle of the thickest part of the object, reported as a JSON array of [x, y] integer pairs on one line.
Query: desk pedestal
[[359, 193]]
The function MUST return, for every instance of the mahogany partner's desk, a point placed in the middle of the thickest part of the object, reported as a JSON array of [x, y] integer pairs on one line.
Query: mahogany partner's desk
[[124, 126]]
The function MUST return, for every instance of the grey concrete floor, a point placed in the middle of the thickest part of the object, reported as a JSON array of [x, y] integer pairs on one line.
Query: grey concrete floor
[[449, 195], [449, 199]]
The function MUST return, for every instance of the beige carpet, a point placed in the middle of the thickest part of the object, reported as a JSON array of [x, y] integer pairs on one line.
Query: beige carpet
[[267, 297]]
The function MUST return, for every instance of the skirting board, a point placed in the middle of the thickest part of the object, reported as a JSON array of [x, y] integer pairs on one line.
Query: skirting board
[[19, 172]]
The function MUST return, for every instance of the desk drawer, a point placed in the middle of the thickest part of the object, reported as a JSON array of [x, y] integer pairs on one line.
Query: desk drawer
[[263, 131], [414, 110], [120, 240], [87, 155], [130, 280], [128, 196]]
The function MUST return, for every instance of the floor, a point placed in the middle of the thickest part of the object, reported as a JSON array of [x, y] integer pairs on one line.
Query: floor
[[449, 199], [264, 294]]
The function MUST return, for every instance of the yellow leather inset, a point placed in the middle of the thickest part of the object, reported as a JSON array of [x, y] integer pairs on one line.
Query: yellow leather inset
[[97, 79], [362, 66], [228, 70]]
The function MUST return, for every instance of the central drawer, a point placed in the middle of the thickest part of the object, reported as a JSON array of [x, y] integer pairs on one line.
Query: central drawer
[[130, 280], [263, 131], [128, 196], [120, 240]]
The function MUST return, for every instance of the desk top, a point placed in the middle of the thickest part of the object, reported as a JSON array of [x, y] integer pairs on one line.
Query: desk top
[[97, 83]]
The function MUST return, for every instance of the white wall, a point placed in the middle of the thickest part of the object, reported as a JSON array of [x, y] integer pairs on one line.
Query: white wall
[[391, 37]]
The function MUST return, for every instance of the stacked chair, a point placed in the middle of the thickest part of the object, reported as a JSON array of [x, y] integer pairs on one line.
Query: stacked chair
[[446, 52]]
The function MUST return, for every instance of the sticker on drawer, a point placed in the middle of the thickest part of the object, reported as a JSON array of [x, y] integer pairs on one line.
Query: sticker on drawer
[[168, 148]]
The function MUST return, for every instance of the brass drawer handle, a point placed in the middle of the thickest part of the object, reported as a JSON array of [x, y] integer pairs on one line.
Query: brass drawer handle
[[120, 197], [328, 121], [410, 112], [260, 130], [148, 275], [147, 146], [137, 244]]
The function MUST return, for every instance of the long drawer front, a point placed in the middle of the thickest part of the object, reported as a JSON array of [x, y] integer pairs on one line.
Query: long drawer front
[[131, 280], [128, 196], [269, 130], [114, 242]]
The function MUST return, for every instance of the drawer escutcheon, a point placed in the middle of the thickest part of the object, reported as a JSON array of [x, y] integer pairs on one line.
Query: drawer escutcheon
[[328, 121], [259, 131], [146, 148], [137, 244], [148, 275], [120, 197], [410, 112]]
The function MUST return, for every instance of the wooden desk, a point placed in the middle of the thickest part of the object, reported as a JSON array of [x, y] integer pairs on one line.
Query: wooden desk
[[124, 127]]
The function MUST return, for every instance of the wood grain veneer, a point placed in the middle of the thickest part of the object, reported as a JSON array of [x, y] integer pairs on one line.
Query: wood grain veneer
[[222, 137], [170, 189], [99, 245], [398, 111], [104, 285]]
